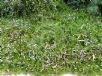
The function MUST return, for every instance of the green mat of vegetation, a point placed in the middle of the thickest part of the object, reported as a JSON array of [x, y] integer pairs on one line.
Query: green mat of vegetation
[[65, 41]]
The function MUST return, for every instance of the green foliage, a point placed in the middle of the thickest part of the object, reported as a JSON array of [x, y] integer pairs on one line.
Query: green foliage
[[94, 7], [18, 8], [25, 7], [67, 42]]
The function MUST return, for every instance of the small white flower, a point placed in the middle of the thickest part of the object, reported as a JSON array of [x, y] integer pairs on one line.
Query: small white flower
[[33, 57], [93, 56]]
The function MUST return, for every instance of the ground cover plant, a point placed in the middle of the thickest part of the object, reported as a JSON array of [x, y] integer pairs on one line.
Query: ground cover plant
[[52, 43]]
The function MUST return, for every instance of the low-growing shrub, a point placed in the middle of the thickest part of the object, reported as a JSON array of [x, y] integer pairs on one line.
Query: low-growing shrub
[[25, 7], [92, 6]]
